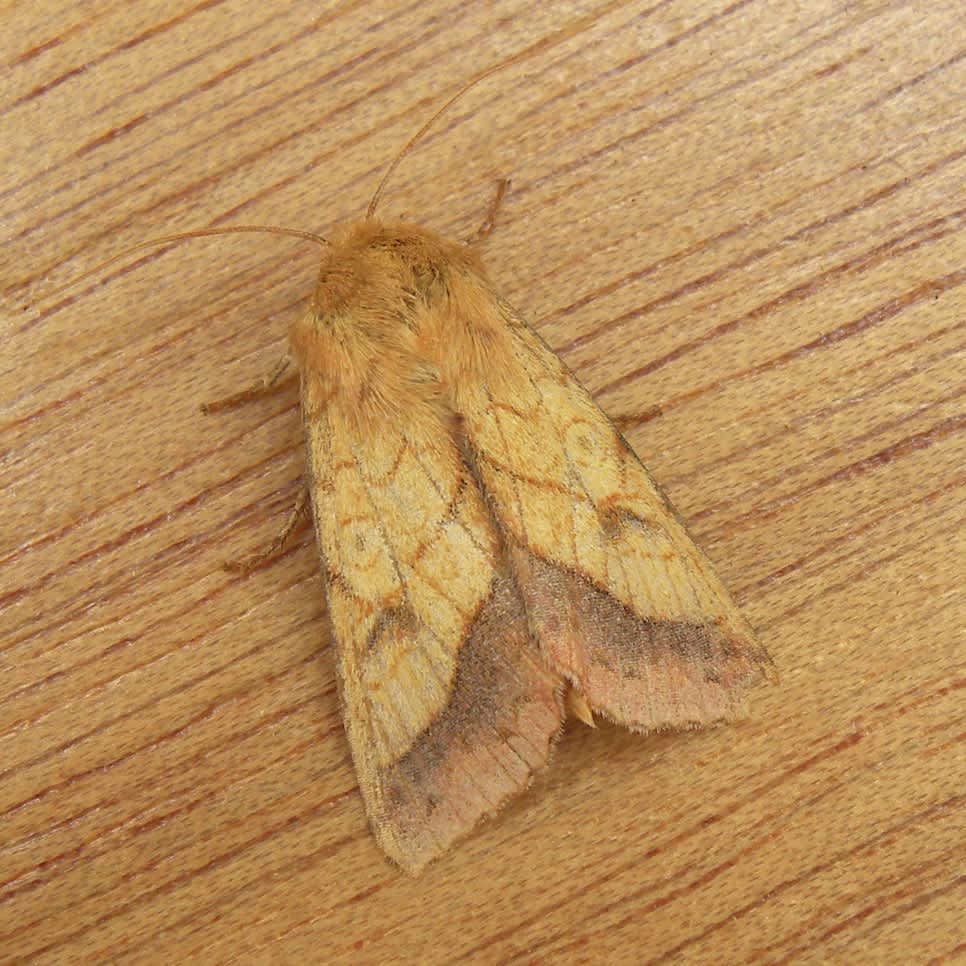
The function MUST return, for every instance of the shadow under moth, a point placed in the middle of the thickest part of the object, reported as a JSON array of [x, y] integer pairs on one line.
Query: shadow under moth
[[493, 551]]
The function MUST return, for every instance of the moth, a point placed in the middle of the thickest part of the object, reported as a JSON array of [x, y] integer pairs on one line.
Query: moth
[[493, 551], [488, 541]]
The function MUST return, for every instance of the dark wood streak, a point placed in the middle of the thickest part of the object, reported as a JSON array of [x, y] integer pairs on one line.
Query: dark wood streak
[[153, 31]]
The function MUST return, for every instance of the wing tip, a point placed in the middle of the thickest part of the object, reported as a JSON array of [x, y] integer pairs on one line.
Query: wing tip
[[412, 846]]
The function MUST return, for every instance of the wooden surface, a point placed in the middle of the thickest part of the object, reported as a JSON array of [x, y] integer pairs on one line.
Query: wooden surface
[[740, 223]]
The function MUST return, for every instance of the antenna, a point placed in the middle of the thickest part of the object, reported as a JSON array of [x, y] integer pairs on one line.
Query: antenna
[[417, 137], [180, 236]]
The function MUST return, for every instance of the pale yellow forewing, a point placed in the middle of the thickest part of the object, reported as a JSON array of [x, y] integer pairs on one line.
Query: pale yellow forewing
[[621, 600], [448, 705]]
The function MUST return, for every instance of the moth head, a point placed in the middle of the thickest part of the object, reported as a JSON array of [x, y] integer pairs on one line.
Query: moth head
[[388, 270]]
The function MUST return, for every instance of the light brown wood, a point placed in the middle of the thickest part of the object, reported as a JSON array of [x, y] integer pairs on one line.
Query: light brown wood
[[741, 223]]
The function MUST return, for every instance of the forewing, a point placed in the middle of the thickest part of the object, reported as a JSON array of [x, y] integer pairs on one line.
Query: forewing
[[621, 600], [448, 705]]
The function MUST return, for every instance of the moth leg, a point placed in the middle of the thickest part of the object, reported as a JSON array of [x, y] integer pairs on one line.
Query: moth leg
[[489, 222], [299, 513], [264, 387]]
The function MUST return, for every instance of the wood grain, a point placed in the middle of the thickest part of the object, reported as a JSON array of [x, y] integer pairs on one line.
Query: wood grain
[[741, 223]]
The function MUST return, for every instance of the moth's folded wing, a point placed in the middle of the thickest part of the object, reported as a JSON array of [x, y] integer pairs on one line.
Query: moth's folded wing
[[622, 601], [448, 705]]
